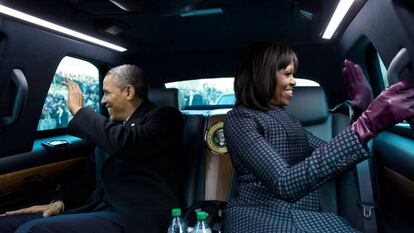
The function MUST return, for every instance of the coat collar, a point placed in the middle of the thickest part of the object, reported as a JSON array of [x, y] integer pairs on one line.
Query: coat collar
[[288, 122], [141, 110], [280, 115]]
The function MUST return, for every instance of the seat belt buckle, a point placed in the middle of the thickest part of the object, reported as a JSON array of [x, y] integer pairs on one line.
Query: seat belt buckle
[[367, 209]]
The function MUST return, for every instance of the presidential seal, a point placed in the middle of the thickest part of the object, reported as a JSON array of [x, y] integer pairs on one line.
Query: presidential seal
[[215, 139]]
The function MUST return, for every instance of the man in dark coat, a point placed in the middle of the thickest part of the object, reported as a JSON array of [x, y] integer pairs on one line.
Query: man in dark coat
[[133, 176]]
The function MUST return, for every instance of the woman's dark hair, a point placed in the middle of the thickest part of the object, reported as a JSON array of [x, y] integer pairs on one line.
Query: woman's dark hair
[[255, 79]]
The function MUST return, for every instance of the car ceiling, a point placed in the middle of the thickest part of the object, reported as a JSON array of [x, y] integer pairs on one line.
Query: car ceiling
[[157, 26]]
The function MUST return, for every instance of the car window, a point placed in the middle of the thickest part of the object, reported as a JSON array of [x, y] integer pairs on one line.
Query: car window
[[203, 92], [55, 113], [226, 99], [215, 91], [383, 71]]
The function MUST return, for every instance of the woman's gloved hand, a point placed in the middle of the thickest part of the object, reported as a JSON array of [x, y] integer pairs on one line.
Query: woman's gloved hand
[[392, 106], [357, 88]]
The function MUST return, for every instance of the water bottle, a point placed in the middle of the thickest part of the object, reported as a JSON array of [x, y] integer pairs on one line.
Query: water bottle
[[177, 224], [201, 225]]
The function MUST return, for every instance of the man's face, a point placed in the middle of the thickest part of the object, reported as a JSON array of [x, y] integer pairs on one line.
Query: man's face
[[114, 99]]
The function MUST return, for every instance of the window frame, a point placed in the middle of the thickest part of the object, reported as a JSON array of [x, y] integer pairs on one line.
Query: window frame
[[62, 131], [373, 58]]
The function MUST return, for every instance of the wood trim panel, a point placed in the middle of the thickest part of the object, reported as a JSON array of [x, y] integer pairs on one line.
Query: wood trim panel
[[14, 180], [403, 185], [218, 170]]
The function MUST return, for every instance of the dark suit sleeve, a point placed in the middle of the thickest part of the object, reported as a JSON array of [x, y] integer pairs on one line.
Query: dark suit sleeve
[[244, 141], [122, 141]]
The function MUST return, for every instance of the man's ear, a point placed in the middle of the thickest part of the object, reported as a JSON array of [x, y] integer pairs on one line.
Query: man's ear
[[130, 92]]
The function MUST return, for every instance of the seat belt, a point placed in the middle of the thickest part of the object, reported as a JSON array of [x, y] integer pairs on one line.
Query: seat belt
[[366, 196]]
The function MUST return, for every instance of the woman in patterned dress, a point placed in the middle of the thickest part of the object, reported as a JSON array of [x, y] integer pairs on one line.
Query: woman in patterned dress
[[279, 164]]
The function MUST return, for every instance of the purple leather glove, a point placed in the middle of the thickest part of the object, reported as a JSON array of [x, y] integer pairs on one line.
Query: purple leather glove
[[357, 88], [392, 106]]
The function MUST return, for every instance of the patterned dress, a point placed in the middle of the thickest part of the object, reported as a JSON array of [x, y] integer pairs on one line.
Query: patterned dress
[[279, 167]]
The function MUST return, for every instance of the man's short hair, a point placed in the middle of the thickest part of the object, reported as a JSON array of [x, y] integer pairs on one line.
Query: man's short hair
[[128, 74]]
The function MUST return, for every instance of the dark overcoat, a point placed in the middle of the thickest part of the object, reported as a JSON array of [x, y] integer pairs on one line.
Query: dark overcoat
[[137, 165]]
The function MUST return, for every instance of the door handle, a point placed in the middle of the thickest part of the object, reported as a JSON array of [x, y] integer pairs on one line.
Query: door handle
[[397, 65], [19, 80]]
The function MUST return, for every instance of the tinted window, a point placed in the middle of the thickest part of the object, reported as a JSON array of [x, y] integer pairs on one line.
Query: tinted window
[[215, 91], [201, 92], [226, 99], [55, 113]]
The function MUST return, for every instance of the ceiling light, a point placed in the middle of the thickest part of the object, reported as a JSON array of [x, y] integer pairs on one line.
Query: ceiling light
[[337, 17], [114, 30], [203, 12], [31, 19]]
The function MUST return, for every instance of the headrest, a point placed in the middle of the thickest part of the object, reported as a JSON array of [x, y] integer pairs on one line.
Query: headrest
[[165, 97], [308, 105]]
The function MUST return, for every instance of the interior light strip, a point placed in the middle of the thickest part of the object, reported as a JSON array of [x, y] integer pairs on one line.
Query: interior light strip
[[337, 17], [43, 23], [203, 12]]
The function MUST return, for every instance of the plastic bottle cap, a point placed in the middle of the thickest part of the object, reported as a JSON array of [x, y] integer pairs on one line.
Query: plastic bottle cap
[[176, 212], [201, 215]]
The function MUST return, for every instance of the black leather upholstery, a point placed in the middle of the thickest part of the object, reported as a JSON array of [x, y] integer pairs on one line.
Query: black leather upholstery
[[166, 97], [193, 141], [309, 105], [194, 147], [347, 183]]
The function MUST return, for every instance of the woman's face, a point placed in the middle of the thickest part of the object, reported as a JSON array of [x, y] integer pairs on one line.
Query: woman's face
[[284, 86]]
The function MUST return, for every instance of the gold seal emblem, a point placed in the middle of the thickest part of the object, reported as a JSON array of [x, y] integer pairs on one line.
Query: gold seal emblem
[[215, 139]]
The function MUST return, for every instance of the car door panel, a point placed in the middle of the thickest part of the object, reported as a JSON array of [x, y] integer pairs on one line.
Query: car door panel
[[34, 177], [394, 156]]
